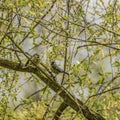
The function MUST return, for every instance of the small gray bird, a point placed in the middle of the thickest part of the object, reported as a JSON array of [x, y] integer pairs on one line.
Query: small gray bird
[[35, 59], [57, 69]]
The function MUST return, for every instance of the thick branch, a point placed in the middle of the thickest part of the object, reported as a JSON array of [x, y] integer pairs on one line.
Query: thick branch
[[59, 111], [69, 99], [14, 66]]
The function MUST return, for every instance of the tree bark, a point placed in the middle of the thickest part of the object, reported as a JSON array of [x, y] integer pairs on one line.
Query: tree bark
[[60, 110]]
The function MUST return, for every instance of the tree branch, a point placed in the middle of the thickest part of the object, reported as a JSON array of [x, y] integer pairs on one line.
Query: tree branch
[[59, 111], [69, 99]]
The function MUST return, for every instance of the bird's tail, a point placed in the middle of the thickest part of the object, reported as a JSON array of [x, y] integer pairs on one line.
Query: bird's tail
[[66, 73]]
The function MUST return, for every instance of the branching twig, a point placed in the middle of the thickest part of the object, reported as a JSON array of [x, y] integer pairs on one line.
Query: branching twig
[[112, 89], [38, 22]]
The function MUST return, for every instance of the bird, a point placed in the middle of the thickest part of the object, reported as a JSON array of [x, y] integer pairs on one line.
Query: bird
[[57, 69], [35, 59]]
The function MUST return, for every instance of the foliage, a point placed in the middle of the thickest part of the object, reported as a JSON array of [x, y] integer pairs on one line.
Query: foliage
[[82, 36]]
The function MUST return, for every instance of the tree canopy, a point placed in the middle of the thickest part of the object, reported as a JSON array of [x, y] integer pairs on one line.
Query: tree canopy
[[82, 37]]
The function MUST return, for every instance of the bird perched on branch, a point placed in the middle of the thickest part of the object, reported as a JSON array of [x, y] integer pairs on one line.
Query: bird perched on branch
[[35, 59], [57, 69]]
